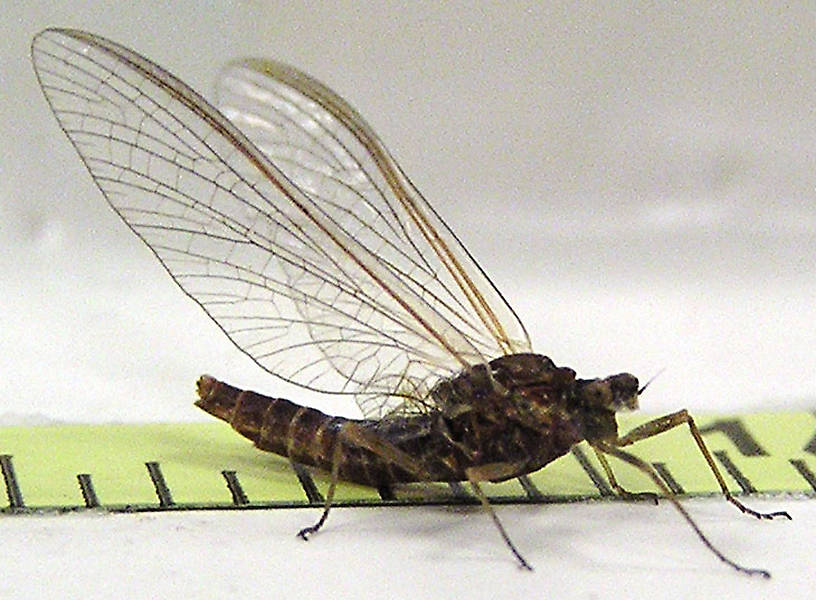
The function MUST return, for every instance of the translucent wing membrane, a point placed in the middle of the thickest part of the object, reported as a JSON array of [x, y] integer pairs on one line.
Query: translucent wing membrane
[[288, 221]]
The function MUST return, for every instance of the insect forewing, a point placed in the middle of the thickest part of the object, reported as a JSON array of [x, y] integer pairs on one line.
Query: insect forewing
[[306, 245]]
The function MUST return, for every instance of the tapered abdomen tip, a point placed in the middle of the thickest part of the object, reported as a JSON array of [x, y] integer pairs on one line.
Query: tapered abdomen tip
[[215, 397], [205, 385]]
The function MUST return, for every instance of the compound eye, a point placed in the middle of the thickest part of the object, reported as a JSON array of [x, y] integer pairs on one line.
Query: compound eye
[[625, 389]]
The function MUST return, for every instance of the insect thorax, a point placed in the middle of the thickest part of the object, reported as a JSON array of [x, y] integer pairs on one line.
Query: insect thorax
[[530, 391]]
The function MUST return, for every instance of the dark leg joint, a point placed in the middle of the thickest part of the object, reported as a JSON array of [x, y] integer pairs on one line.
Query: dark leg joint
[[638, 496]]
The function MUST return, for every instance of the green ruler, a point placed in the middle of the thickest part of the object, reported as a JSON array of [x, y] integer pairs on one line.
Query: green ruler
[[208, 466]]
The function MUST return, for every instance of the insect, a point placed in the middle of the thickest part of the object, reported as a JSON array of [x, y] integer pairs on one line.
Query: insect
[[286, 219]]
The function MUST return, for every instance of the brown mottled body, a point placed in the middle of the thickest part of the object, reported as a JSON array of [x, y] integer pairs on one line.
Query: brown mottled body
[[489, 423], [519, 410]]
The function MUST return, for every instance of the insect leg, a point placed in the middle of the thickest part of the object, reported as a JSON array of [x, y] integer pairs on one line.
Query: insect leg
[[492, 472], [337, 453], [352, 434], [661, 424], [622, 492], [610, 448]]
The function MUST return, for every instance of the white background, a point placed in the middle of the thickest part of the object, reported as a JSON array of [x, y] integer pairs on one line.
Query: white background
[[639, 183]]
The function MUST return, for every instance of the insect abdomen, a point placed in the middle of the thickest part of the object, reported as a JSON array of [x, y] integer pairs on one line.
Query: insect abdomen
[[307, 436], [303, 434]]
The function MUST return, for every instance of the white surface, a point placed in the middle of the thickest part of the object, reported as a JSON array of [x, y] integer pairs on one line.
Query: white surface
[[582, 551], [639, 184]]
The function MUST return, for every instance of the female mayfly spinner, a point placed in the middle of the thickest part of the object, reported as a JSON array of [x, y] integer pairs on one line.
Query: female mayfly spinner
[[286, 219]]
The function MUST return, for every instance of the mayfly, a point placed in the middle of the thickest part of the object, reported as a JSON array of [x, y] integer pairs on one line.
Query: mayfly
[[286, 219]]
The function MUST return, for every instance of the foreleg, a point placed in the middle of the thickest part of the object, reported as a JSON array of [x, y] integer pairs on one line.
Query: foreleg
[[667, 422]]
